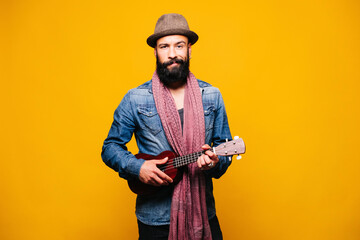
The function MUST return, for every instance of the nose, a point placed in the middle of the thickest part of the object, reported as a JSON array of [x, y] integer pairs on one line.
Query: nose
[[172, 52]]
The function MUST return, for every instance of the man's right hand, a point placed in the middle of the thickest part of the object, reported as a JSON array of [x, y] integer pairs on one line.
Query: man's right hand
[[151, 174]]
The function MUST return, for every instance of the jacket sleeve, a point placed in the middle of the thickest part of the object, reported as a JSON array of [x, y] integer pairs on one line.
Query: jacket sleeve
[[114, 152], [221, 132]]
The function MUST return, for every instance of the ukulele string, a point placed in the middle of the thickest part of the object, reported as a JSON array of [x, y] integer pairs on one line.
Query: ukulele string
[[178, 162], [172, 166], [167, 168], [184, 160]]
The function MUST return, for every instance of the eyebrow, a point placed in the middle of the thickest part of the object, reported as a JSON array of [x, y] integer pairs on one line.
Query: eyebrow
[[181, 42], [167, 44]]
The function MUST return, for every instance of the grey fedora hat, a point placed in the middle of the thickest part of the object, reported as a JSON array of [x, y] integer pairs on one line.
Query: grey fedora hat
[[171, 24]]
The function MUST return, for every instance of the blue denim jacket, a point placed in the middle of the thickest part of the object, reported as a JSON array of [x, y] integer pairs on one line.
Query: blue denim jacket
[[137, 114]]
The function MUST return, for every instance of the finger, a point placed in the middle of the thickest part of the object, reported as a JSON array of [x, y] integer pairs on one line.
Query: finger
[[202, 161], [205, 146], [210, 154], [149, 180], [164, 176], [207, 160], [159, 181], [199, 162], [154, 183]]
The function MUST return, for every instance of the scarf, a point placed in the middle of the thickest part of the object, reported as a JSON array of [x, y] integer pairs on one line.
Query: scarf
[[188, 216]]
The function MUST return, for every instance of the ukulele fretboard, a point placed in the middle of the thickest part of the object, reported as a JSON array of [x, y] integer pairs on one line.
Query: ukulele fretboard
[[186, 159]]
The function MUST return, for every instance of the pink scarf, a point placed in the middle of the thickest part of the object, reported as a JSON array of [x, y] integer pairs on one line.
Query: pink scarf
[[189, 219]]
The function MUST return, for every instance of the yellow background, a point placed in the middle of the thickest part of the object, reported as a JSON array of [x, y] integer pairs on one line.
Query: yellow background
[[289, 74]]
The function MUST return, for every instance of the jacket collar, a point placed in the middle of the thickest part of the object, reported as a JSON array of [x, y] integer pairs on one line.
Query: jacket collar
[[148, 85]]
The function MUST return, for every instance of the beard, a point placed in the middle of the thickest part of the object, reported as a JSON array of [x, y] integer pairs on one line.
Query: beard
[[178, 74]]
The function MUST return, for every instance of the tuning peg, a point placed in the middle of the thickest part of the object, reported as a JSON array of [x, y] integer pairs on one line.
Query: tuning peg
[[238, 157], [226, 142], [236, 137]]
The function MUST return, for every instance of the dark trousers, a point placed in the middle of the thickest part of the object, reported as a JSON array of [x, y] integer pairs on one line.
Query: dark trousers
[[147, 232]]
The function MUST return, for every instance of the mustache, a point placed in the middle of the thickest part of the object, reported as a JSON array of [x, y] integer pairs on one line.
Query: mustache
[[176, 60]]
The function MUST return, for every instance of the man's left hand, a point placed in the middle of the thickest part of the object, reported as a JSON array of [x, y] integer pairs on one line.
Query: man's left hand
[[207, 160]]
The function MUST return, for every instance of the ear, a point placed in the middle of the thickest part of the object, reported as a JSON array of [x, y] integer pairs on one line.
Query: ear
[[155, 51], [189, 50]]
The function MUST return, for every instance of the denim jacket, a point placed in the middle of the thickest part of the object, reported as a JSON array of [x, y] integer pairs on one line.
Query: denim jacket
[[137, 114]]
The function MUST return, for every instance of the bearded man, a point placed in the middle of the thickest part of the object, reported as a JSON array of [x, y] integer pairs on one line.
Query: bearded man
[[173, 111]]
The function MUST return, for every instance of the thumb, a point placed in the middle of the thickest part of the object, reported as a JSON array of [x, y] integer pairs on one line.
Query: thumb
[[162, 161]]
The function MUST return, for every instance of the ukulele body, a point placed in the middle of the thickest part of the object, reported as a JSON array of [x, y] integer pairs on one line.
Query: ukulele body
[[141, 188]]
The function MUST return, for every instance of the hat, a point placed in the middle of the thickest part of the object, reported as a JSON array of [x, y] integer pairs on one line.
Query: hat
[[171, 24]]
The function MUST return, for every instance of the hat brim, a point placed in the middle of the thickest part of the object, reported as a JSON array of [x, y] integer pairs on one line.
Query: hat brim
[[193, 37]]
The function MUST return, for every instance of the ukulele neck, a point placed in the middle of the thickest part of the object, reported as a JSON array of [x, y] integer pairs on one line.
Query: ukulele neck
[[187, 159]]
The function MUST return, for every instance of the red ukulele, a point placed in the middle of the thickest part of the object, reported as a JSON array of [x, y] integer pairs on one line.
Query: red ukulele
[[173, 166]]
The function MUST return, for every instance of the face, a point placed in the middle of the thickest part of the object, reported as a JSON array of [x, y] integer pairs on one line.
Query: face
[[172, 47], [172, 55]]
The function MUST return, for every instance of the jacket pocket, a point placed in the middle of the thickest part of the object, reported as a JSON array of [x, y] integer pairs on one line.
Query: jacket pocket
[[149, 118], [209, 115]]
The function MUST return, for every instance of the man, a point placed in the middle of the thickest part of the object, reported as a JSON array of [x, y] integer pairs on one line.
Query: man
[[174, 111]]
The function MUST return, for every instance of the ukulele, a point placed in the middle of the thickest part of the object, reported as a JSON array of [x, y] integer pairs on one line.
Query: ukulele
[[173, 166]]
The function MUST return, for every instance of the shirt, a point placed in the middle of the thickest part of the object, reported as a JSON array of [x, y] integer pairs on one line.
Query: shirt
[[136, 114]]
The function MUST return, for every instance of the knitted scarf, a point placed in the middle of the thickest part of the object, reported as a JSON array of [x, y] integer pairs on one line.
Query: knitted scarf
[[188, 218]]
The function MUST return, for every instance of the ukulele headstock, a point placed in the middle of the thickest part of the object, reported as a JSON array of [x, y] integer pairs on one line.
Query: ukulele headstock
[[229, 148]]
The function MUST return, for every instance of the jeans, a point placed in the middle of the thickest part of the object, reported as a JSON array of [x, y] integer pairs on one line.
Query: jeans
[[147, 232]]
